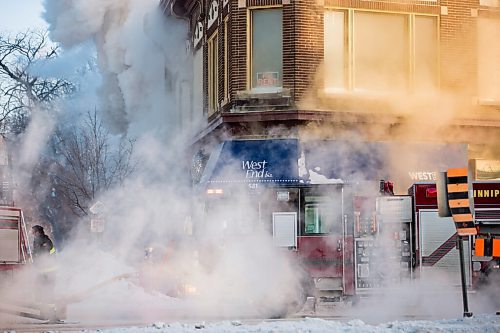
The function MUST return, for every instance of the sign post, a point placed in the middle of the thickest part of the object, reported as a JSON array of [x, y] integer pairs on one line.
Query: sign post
[[453, 200], [97, 221], [465, 300]]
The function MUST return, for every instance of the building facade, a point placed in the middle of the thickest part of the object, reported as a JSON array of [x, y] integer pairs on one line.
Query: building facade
[[307, 104], [397, 70]]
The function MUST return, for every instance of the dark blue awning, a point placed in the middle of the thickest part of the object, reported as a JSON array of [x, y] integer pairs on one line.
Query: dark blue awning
[[288, 161], [254, 161], [343, 160], [403, 163]]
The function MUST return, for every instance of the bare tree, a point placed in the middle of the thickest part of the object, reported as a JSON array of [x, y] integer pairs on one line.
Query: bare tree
[[20, 90], [90, 163], [80, 162]]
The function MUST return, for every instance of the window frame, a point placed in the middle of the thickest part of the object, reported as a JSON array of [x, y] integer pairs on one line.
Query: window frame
[[485, 72], [197, 85], [323, 205], [249, 64], [213, 72], [226, 59], [349, 50]]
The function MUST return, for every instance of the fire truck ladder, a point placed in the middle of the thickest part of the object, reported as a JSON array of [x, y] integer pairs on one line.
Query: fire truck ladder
[[25, 247]]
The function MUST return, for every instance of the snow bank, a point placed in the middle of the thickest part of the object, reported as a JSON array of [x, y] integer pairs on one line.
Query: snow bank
[[483, 324]]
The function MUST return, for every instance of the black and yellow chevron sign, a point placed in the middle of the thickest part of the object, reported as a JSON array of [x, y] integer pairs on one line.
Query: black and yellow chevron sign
[[458, 200]]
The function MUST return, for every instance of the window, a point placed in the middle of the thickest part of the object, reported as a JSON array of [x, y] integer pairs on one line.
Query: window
[[489, 3], [380, 52], [426, 53], [266, 49], [335, 49], [213, 73], [380, 43], [322, 215], [316, 218], [226, 59], [488, 60], [197, 103]]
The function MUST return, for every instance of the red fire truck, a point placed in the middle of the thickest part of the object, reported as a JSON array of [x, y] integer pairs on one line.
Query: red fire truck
[[353, 238], [486, 255], [14, 244], [349, 244], [435, 237]]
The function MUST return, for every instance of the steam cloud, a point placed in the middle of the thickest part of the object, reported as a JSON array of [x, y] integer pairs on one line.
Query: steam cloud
[[144, 67], [427, 115], [142, 57]]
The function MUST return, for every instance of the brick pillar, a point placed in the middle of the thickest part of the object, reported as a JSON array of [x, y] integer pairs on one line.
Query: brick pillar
[[238, 49], [308, 32], [458, 46]]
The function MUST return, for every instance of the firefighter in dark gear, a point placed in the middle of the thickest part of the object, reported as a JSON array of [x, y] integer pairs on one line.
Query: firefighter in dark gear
[[44, 261], [42, 244]]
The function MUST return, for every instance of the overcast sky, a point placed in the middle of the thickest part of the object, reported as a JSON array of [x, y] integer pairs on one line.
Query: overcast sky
[[19, 15]]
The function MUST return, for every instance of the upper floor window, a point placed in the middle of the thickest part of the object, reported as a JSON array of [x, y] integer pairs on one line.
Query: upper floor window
[[381, 52], [226, 59], [489, 3], [197, 83], [488, 60], [266, 49], [213, 73]]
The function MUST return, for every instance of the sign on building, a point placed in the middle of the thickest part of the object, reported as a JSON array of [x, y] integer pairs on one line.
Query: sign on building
[[268, 79]]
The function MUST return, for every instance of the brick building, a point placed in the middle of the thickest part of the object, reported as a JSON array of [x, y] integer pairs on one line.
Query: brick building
[[306, 104], [391, 71]]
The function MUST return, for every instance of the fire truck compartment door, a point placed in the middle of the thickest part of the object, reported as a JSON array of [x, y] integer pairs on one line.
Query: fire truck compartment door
[[9, 245], [439, 256], [285, 229]]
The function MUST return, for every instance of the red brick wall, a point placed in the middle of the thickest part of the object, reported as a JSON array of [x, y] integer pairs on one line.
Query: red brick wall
[[303, 41], [306, 45], [458, 47], [238, 48]]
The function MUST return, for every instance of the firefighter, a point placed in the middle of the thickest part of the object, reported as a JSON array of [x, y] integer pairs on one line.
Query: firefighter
[[42, 244], [44, 260]]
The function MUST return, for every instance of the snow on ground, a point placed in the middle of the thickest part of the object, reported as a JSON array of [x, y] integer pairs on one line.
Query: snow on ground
[[97, 298], [482, 323], [123, 302], [118, 306]]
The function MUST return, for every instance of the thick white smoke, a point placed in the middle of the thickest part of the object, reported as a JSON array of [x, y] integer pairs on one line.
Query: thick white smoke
[[144, 68], [142, 61], [142, 57]]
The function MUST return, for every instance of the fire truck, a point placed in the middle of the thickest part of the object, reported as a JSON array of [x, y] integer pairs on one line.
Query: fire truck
[[435, 237], [14, 244], [350, 244], [353, 238]]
